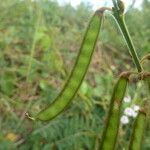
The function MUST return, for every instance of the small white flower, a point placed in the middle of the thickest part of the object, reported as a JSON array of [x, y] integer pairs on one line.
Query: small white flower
[[134, 114], [129, 111], [127, 99], [124, 119], [136, 108]]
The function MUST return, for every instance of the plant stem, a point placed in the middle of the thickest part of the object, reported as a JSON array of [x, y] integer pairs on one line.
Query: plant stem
[[121, 23]]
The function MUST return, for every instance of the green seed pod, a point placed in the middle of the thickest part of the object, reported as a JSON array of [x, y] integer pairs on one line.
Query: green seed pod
[[138, 131], [121, 7], [79, 70], [110, 133]]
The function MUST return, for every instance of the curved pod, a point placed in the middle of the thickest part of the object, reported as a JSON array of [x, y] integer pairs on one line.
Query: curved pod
[[110, 133], [79, 70], [138, 131]]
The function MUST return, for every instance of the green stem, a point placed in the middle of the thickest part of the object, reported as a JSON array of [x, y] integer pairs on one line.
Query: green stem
[[126, 35], [121, 23]]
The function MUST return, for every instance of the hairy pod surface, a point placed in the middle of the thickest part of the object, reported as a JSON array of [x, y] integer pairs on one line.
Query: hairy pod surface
[[78, 72], [110, 133], [138, 131]]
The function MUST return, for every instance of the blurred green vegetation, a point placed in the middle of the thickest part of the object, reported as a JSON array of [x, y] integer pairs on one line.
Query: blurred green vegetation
[[39, 42]]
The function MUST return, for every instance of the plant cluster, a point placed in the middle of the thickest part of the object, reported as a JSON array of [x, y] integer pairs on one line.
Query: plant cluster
[[39, 38], [110, 134]]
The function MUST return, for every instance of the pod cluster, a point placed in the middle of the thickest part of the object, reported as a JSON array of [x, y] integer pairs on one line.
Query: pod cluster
[[110, 134]]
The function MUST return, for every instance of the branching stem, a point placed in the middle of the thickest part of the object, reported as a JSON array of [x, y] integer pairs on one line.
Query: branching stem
[[122, 25]]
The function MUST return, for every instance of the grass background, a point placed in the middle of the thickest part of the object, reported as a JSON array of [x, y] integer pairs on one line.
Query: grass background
[[39, 42]]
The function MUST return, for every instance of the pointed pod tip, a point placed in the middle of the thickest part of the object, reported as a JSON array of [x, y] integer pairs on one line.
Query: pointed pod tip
[[29, 117]]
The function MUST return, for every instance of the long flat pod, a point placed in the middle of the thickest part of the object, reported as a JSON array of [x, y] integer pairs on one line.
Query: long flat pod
[[110, 133], [79, 70], [138, 131]]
